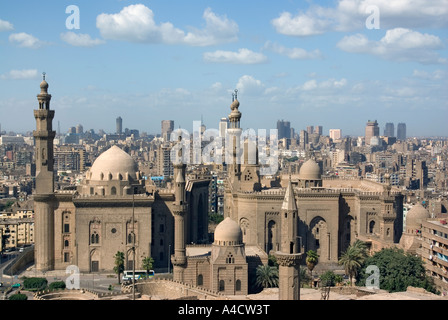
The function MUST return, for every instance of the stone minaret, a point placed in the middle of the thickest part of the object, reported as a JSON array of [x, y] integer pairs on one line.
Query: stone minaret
[[233, 142], [289, 255], [179, 258], [44, 193]]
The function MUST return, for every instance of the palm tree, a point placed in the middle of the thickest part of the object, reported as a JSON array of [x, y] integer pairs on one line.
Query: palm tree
[[119, 264], [147, 263], [312, 258], [267, 276], [353, 258]]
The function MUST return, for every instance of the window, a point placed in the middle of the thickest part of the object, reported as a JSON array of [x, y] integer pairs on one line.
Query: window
[[66, 257], [161, 228], [66, 227], [230, 258], [221, 285], [66, 243], [200, 280], [113, 191], [238, 285]]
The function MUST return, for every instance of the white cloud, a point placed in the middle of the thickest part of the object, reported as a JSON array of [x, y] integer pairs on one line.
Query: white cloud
[[350, 15], [136, 23], [243, 56], [249, 85], [20, 74], [80, 40], [293, 53], [398, 44], [5, 26], [25, 40], [435, 75]]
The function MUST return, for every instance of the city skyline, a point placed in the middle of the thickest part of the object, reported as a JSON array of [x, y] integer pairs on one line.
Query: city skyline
[[310, 63]]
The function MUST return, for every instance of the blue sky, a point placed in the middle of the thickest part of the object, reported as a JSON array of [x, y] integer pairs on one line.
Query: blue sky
[[309, 62]]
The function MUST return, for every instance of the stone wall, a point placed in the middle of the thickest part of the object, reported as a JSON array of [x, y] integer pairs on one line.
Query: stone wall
[[172, 290]]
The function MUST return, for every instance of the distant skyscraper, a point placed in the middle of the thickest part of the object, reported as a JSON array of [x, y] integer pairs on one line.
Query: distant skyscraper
[[79, 129], [372, 130], [167, 128], [284, 129], [335, 134], [310, 129], [401, 131], [389, 130], [318, 130], [119, 125], [222, 127]]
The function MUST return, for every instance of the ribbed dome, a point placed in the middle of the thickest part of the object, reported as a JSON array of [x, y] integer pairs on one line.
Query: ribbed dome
[[228, 232], [115, 162], [310, 170]]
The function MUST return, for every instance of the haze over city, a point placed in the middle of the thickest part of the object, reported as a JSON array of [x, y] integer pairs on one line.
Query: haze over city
[[308, 62]]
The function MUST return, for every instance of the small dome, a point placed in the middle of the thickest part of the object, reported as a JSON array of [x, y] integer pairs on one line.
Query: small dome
[[228, 232], [417, 214], [310, 170], [115, 162]]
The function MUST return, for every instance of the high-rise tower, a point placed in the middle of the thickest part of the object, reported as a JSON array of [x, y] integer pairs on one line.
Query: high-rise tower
[[44, 193], [372, 130], [119, 124], [401, 131]]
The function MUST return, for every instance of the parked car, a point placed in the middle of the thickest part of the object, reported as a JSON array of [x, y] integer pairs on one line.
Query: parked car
[[16, 285]]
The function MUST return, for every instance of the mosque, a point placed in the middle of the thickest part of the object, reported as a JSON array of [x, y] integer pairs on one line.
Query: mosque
[[115, 210]]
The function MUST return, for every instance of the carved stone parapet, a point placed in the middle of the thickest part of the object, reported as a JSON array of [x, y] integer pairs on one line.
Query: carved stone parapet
[[44, 197], [179, 210], [179, 260], [288, 260]]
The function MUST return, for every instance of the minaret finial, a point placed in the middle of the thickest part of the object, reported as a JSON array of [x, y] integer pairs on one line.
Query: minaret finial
[[236, 94], [43, 75]]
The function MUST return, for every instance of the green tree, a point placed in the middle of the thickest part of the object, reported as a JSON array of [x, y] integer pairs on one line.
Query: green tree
[[18, 296], [147, 264], [397, 271], [353, 258], [119, 264], [267, 276], [328, 279], [312, 259], [35, 283], [57, 285]]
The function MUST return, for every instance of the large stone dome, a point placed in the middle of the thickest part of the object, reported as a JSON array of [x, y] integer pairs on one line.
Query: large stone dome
[[113, 164], [417, 215], [310, 170], [228, 232]]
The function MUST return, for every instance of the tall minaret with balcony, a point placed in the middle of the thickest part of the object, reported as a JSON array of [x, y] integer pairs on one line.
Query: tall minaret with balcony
[[233, 142], [179, 258], [44, 193], [289, 255]]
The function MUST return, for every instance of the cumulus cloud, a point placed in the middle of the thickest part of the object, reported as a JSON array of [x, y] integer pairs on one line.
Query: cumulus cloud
[[136, 23], [25, 40], [398, 44], [249, 85], [293, 53], [5, 26], [80, 40], [243, 56], [351, 15], [20, 74]]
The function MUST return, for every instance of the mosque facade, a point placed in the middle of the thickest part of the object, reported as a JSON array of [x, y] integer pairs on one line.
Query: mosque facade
[[113, 210]]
